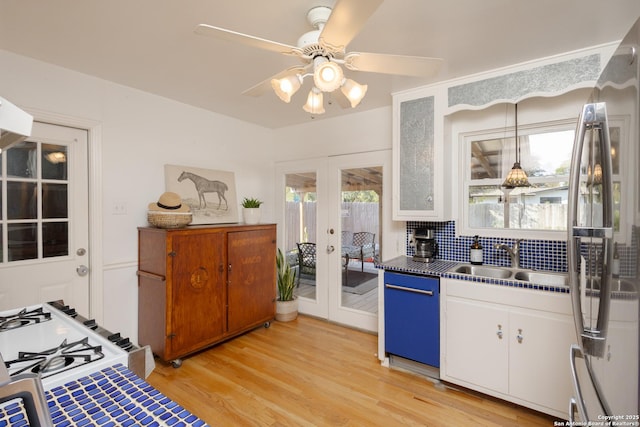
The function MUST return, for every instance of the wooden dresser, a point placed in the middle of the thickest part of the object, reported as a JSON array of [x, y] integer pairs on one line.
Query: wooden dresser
[[200, 285]]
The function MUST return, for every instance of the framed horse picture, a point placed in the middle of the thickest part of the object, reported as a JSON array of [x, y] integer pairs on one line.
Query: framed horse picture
[[211, 194]]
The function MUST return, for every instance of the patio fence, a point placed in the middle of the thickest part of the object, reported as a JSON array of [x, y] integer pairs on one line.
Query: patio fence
[[356, 216]]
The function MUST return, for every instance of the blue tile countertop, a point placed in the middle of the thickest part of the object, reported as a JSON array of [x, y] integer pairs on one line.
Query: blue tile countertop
[[112, 397], [440, 268], [405, 264]]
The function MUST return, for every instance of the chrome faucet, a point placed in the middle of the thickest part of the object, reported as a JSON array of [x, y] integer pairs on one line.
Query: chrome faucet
[[514, 252]]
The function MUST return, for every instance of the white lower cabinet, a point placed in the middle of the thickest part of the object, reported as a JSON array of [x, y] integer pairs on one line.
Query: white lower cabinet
[[509, 343]]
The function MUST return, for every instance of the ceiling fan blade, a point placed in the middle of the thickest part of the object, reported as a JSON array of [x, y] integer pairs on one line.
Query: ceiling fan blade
[[418, 66], [338, 97], [233, 36], [265, 85], [345, 22]]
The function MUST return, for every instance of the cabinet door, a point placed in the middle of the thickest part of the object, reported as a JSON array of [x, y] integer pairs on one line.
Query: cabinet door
[[539, 358], [196, 292], [417, 157], [476, 344], [251, 278]]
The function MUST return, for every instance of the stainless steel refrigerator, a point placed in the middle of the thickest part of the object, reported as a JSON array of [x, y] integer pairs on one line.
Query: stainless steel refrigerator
[[603, 244]]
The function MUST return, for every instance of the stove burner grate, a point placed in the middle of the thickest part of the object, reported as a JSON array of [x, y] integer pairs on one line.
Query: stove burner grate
[[62, 358], [22, 318]]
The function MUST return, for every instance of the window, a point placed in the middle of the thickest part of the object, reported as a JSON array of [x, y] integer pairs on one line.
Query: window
[[545, 155], [35, 189]]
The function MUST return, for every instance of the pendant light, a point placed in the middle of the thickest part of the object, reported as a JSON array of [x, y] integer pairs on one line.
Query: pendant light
[[516, 177]]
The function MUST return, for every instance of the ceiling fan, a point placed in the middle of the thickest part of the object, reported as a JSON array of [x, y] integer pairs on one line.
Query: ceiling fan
[[323, 51]]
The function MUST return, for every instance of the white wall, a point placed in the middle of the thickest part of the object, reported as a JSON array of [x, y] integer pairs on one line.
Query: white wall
[[140, 133]]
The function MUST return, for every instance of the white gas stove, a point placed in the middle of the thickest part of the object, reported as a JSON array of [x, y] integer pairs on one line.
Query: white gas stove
[[63, 370], [46, 341]]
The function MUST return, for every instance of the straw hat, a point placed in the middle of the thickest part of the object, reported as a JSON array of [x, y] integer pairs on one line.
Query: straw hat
[[169, 202]]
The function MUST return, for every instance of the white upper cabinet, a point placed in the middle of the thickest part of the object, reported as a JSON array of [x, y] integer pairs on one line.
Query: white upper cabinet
[[418, 155]]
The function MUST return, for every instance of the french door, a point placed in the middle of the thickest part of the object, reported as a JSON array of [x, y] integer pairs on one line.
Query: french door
[[330, 216], [44, 219]]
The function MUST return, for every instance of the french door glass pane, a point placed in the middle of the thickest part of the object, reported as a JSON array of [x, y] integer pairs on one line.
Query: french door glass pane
[[361, 195], [300, 230]]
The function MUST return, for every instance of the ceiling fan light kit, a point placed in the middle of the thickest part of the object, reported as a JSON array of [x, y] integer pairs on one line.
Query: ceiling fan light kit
[[324, 48]]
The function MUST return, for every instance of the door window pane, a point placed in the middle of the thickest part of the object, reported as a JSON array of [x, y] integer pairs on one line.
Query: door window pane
[[55, 239], [23, 241], [361, 193], [22, 160], [54, 200], [54, 162], [22, 200], [300, 230], [36, 192]]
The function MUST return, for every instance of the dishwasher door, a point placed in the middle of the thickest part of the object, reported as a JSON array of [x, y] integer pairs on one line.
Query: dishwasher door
[[412, 317]]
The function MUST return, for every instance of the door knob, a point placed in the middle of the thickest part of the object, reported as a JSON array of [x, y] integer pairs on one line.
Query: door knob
[[82, 270], [330, 249]]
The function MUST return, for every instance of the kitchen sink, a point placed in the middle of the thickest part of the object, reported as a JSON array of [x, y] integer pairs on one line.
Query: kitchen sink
[[479, 270], [618, 285], [539, 278]]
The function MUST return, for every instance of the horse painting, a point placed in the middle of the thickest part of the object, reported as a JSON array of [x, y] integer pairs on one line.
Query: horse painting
[[204, 185]]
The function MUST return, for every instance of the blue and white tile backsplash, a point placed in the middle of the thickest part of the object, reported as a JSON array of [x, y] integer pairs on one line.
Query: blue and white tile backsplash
[[545, 255]]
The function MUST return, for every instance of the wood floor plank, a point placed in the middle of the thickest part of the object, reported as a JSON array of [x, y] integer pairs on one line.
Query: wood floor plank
[[311, 372]]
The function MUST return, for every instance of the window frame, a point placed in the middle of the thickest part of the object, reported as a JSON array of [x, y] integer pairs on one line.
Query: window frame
[[465, 140]]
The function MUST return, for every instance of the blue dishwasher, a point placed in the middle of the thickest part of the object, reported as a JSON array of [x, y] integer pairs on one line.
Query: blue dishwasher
[[412, 317]]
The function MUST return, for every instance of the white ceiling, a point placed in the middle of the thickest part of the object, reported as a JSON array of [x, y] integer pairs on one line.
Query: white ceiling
[[150, 44]]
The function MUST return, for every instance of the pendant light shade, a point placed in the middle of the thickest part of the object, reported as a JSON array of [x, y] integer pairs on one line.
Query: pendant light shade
[[516, 177]]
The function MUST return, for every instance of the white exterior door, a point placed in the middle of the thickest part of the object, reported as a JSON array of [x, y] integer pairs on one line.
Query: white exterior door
[[44, 227], [310, 203]]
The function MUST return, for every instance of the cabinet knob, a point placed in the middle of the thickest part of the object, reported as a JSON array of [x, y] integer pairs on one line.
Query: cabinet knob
[[519, 337], [499, 332]]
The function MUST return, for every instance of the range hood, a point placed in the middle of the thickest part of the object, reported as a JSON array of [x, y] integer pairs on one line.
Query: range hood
[[15, 124]]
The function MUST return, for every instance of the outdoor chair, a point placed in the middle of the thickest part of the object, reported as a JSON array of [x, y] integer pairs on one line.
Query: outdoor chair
[[306, 259], [365, 242]]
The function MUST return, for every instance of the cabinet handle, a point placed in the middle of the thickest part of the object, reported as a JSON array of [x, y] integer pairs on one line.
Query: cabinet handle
[[519, 337], [403, 288], [499, 332]]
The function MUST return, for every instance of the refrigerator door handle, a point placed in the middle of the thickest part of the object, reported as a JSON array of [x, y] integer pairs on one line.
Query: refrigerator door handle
[[593, 118], [572, 411], [578, 400]]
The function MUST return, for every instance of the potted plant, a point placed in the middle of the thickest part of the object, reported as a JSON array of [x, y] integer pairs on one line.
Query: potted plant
[[251, 210], [287, 303]]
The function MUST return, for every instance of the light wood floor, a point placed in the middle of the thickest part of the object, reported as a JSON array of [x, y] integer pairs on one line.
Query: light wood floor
[[310, 372]]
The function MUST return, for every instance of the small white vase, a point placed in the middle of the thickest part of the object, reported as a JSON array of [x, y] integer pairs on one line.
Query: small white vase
[[251, 215], [286, 311]]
